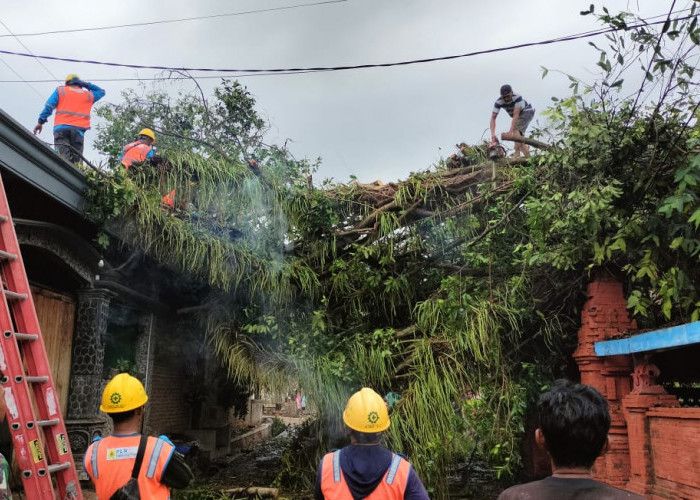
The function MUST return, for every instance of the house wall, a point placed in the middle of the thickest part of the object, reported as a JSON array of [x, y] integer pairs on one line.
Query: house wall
[[168, 410]]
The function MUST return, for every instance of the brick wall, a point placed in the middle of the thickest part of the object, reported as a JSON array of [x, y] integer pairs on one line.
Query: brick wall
[[675, 452], [655, 444], [169, 411]]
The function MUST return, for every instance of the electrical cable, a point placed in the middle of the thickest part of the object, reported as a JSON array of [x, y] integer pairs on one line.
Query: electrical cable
[[21, 79], [356, 66], [27, 49], [157, 78], [166, 21]]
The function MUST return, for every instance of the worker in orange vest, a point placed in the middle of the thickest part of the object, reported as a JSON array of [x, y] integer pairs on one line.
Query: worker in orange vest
[[73, 103], [139, 150], [110, 461], [365, 469], [169, 200]]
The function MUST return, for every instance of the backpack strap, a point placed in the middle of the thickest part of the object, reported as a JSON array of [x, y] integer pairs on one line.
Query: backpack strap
[[139, 456]]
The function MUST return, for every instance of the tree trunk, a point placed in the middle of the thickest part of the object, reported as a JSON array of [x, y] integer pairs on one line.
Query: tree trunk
[[525, 140]]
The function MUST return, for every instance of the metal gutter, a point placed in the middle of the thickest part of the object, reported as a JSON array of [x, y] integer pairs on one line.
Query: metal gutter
[[667, 338], [37, 164]]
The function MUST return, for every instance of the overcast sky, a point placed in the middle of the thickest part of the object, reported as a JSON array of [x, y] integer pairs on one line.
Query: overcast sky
[[378, 123]]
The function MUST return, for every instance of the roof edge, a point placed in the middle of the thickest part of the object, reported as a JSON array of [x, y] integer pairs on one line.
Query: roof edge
[[30, 159]]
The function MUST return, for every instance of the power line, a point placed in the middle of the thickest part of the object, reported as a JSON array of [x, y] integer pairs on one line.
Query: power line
[[157, 78], [27, 49], [276, 71], [151, 23], [20, 78], [16, 73]]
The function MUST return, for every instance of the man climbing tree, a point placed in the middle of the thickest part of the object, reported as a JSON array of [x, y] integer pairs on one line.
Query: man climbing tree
[[521, 113], [139, 150]]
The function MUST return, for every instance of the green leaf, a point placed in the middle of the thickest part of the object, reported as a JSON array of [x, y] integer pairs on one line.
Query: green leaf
[[666, 308], [103, 240], [695, 218], [676, 242]]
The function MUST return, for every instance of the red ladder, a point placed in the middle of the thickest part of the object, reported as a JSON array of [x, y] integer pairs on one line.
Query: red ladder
[[21, 345]]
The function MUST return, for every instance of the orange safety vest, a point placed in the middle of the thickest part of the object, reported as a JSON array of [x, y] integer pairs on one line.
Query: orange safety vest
[[169, 199], [392, 487], [110, 460], [135, 152], [74, 106]]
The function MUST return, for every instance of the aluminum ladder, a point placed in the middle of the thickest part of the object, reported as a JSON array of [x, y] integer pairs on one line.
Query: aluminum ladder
[[45, 459]]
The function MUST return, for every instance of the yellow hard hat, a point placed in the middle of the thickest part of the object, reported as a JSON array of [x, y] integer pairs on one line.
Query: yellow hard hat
[[366, 412], [148, 133], [72, 76], [123, 393]]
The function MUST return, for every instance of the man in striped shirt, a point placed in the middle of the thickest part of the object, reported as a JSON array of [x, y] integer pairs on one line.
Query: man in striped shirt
[[521, 113]]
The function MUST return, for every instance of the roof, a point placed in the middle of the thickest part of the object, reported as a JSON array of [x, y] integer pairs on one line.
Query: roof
[[667, 338], [24, 155]]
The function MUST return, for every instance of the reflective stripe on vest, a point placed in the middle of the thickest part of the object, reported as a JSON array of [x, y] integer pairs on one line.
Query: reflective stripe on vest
[[391, 474], [153, 462], [114, 457], [74, 106], [336, 466], [393, 486], [136, 151], [93, 460]]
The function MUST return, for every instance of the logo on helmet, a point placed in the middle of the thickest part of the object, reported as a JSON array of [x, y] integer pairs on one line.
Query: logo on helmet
[[115, 398], [373, 416]]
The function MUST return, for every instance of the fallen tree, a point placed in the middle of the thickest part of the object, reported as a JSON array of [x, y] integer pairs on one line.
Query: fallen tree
[[455, 287]]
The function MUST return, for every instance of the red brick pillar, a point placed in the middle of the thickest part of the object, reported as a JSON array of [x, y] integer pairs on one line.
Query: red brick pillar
[[605, 317], [645, 395]]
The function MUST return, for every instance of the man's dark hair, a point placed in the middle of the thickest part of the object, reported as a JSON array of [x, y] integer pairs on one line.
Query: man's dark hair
[[123, 416], [505, 89], [575, 420], [366, 437]]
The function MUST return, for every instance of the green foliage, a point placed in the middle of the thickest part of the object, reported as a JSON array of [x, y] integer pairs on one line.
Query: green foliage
[[620, 192], [124, 365], [277, 427], [489, 427], [202, 492]]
